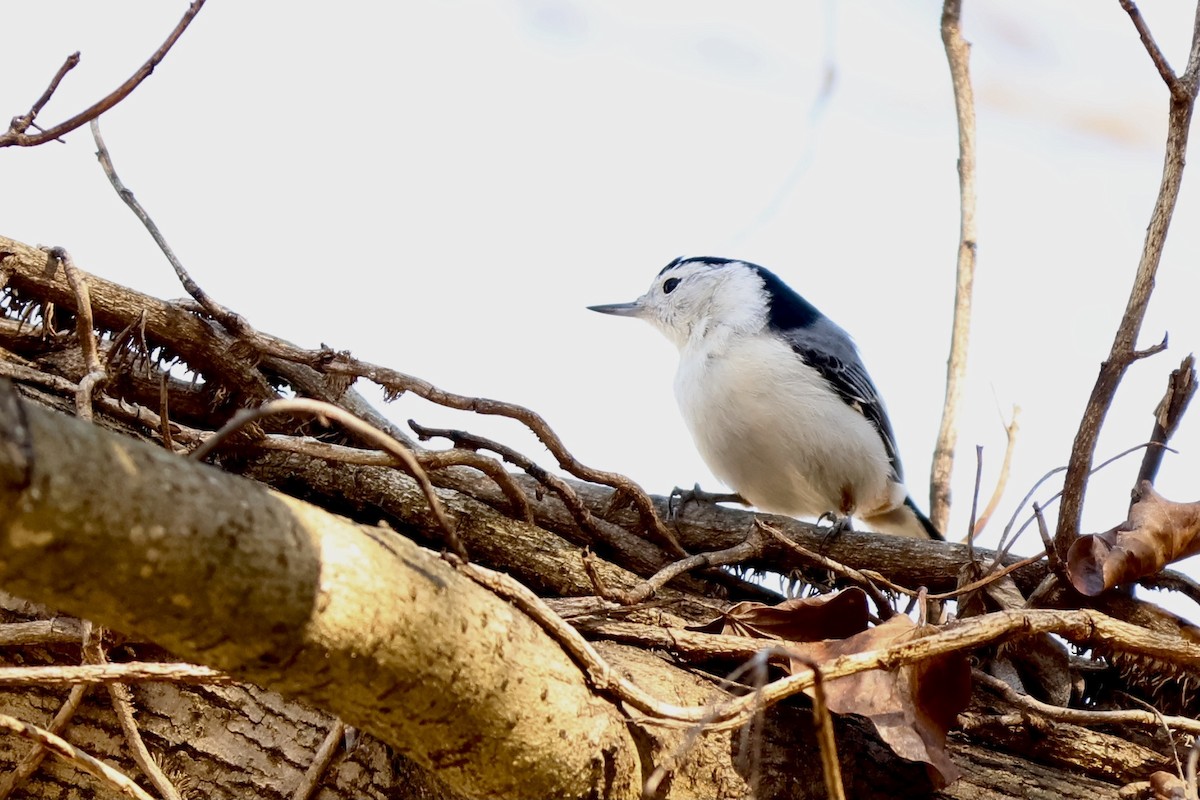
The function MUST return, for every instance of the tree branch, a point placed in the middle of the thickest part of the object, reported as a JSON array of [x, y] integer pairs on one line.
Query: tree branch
[[341, 616], [16, 135], [1123, 352], [958, 54]]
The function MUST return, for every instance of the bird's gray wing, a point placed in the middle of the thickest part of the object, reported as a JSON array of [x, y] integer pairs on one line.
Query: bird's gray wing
[[834, 357]]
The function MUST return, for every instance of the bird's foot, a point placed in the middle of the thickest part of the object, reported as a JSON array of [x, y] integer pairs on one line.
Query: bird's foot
[[838, 525], [680, 497]]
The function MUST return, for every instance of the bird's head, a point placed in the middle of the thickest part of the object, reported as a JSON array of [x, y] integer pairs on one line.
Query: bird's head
[[692, 296]]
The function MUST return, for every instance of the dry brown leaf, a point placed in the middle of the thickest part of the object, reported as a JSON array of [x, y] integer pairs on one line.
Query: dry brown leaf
[[1157, 533], [805, 619], [912, 707]]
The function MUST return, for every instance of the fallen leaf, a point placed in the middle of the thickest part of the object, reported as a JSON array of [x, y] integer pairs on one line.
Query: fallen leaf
[[912, 707], [1157, 533], [804, 619]]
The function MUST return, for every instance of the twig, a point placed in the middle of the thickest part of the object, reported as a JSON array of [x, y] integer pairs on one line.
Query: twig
[[1181, 386], [743, 551], [232, 322], [13, 136], [22, 123], [122, 703], [958, 56], [321, 761], [362, 429], [1005, 543], [1010, 446], [85, 331], [823, 727], [29, 764], [91, 674], [1123, 351], [61, 630], [882, 604], [1179, 90], [1079, 716], [1047, 542], [24, 770], [971, 530], [580, 513], [431, 460], [66, 751], [164, 408], [396, 383]]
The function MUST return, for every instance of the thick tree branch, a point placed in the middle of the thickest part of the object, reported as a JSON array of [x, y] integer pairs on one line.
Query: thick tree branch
[[1124, 352], [369, 626]]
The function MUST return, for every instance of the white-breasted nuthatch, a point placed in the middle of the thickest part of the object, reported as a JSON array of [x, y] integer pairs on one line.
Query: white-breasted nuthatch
[[776, 397]]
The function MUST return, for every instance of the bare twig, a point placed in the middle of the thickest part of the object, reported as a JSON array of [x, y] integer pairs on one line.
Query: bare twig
[[970, 537], [233, 323], [85, 330], [60, 630], [431, 460], [91, 674], [580, 513], [882, 604], [22, 123], [358, 427], [397, 383], [29, 764], [1181, 386], [17, 136], [958, 55], [1010, 431], [743, 551], [1123, 352], [1179, 90], [823, 727], [1079, 716], [122, 703], [69, 753], [320, 763], [24, 770]]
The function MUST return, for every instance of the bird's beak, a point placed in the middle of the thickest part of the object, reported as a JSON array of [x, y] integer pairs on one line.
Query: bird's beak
[[633, 309]]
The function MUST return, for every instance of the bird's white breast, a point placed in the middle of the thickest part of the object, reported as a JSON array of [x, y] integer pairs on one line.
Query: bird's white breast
[[769, 426]]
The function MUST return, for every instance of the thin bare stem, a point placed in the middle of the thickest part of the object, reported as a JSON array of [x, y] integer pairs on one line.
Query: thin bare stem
[[22, 123], [20, 138], [358, 427], [73, 755], [1177, 87], [1010, 431], [321, 761], [228, 319], [1124, 353], [85, 330], [91, 674], [958, 54], [1181, 386]]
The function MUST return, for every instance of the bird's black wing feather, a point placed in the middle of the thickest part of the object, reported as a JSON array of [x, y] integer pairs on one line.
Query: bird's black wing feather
[[848, 377]]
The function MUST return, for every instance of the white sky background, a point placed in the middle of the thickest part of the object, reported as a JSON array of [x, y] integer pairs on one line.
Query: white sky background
[[443, 187]]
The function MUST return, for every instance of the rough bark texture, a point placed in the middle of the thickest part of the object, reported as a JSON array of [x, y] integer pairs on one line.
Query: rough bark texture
[[377, 630], [318, 610]]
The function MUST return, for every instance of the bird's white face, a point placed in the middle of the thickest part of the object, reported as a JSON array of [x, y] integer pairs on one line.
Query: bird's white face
[[689, 298]]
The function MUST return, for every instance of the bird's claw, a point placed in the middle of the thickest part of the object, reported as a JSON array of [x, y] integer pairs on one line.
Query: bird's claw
[[680, 497], [838, 525]]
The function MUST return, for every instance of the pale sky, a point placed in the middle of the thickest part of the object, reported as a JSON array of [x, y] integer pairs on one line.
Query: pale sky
[[443, 187]]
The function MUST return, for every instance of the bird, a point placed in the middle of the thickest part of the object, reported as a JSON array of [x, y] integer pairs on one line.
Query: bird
[[776, 397]]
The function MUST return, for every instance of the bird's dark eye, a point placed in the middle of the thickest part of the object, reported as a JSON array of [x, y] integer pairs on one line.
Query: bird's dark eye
[[669, 285]]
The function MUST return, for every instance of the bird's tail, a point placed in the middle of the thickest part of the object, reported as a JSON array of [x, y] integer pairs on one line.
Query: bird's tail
[[905, 520]]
